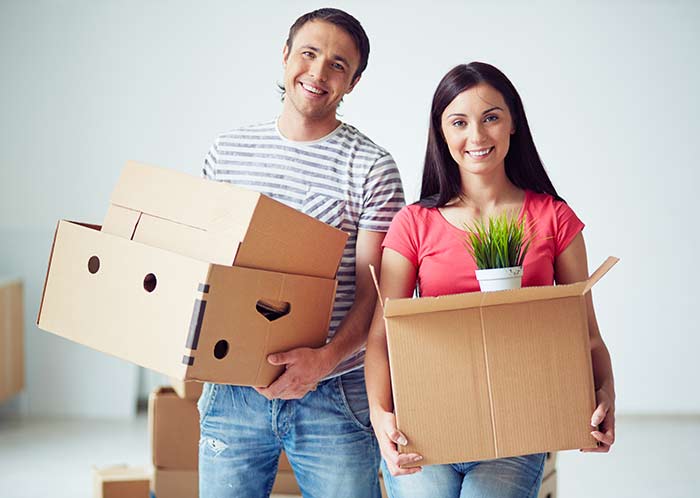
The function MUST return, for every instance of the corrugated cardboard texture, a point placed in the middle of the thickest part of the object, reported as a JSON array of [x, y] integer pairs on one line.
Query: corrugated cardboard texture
[[175, 483], [548, 489], [11, 338], [175, 328], [487, 375], [187, 389], [121, 481], [208, 221], [173, 425]]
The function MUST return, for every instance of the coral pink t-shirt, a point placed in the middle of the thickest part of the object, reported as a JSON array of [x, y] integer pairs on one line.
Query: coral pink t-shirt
[[437, 248]]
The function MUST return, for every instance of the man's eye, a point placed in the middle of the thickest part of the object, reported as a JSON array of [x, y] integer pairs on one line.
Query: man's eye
[[338, 67], [306, 53]]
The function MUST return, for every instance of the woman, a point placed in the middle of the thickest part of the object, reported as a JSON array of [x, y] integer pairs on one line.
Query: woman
[[480, 161]]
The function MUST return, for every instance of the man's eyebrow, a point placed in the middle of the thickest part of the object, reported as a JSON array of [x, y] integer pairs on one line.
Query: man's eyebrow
[[318, 51]]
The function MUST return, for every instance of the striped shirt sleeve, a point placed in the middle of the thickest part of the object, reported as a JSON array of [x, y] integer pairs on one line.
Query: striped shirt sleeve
[[383, 195], [210, 161]]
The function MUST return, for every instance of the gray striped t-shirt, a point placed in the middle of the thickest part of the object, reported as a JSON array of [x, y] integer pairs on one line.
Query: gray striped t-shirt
[[343, 179]]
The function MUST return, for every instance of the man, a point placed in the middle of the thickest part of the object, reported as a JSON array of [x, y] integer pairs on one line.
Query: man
[[317, 409]]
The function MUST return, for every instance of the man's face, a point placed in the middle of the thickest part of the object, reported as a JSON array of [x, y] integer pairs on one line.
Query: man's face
[[319, 69]]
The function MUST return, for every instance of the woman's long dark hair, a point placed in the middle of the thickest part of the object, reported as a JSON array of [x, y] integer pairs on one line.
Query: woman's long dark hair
[[441, 178]]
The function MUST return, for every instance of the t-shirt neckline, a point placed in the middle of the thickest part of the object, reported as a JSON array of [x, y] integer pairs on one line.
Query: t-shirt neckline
[[309, 142]]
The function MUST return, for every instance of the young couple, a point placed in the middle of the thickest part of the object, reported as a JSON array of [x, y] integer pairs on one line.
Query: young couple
[[480, 160]]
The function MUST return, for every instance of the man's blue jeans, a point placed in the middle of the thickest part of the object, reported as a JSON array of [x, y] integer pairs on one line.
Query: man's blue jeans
[[326, 435], [517, 477]]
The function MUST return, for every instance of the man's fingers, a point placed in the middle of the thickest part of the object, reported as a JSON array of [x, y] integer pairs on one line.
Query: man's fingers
[[398, 438]]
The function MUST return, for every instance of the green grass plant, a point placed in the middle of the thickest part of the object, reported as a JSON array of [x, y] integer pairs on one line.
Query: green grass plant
[[501, 242]]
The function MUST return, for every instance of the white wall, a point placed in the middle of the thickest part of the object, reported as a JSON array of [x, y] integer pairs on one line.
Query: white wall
[[609, 91]]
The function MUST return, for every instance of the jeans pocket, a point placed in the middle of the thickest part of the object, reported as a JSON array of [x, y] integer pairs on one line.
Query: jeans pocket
[[353, 393], [206, 400], [325, 208]]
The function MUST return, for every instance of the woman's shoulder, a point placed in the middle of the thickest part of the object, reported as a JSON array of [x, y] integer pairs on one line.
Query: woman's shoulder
[[541, 203]]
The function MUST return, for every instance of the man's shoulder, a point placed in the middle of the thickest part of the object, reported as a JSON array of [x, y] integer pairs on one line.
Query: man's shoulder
[[257, 131], [352, 135]]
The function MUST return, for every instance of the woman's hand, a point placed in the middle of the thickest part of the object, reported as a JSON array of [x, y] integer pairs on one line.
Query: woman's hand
[[604, 419], [388, 436]]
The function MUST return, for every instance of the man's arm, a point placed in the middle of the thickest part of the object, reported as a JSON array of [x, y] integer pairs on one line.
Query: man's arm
[[305, 367]]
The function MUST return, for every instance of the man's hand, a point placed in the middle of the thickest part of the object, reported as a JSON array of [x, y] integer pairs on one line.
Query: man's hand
[[305, 367]]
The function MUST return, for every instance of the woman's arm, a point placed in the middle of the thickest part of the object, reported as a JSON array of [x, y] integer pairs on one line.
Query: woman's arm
[[569, 267], [398, 279]]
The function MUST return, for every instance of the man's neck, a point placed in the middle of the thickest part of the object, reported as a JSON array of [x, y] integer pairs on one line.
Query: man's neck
[[298, 128]]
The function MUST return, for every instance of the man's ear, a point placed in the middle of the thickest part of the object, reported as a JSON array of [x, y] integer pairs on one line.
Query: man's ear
[[352, 86], [285, 54]]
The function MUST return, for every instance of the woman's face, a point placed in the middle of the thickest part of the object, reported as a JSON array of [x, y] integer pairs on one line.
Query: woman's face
[[477, 126]]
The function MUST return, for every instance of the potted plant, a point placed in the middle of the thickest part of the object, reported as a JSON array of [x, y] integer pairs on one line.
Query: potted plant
[[499, 247]]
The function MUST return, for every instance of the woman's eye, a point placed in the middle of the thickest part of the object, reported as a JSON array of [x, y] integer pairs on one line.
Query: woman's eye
[[490, 118], [459, 123]]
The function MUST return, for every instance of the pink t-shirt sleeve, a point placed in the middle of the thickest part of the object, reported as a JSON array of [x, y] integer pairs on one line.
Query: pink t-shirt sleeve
[[402, 235], [568, 226]]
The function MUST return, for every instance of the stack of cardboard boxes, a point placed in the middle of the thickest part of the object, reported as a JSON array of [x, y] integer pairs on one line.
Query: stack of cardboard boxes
[[11, 338]]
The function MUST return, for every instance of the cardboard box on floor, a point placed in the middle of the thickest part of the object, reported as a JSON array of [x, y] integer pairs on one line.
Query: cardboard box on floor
[[11, 338], [121, 481], [496, 374], [153, 290], [189, 390], [548, 489], [173, 427], [169, 483]]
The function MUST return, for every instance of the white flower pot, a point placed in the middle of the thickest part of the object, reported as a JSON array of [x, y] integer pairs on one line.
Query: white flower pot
[[495, 279]]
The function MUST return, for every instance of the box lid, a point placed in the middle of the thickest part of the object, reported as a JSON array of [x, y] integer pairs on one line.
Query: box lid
[[209, 220]]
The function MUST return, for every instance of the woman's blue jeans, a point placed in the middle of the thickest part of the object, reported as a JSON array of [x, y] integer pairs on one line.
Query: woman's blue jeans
[[517, 477], [326, 435]]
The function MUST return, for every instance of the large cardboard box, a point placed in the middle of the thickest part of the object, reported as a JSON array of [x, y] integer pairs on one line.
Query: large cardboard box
[[173, 425], [121, 481], [168, 483], [548, 489], [11, 338], [184, 315], [496, 374]]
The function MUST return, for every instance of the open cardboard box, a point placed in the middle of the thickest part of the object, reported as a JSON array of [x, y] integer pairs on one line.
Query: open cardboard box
[[486, 375], [158, 289]]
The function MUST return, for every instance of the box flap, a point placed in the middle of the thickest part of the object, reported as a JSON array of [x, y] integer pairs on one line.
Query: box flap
[[598, 274], [185, 199], [411, 306], [121, 221]]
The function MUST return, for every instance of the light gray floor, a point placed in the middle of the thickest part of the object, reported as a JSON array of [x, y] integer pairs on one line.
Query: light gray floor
[[653, 457]]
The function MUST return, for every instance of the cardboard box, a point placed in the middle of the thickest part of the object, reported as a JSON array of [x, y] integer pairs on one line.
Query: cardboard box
[[187, 389], [11, 338], [220, 223], [550, 463], [169, 483], [487, 375], [185, 318], [121, 481], [173, 426], [548, 489]]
